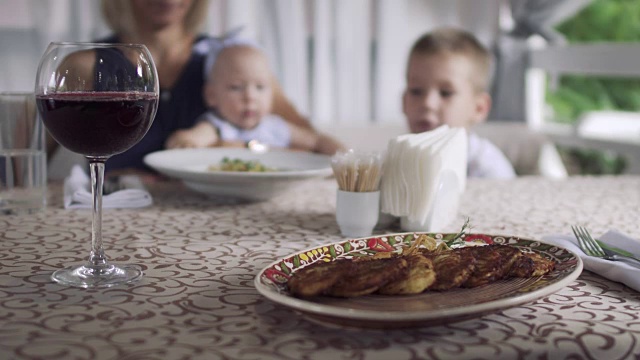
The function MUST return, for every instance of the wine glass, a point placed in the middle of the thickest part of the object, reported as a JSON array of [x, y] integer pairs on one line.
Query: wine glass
[[97, 100]]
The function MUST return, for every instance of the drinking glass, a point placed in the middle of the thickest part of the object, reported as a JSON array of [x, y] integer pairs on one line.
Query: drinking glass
[[97, 100]]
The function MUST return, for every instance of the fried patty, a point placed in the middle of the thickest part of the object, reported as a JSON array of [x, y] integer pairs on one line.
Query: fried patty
[[493, 263], [531, 264], [369, 276], [510, 255], [317, 278], [420, 276], [452, 269]]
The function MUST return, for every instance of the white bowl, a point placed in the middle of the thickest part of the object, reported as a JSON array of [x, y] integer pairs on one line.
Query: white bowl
[[192, 167]]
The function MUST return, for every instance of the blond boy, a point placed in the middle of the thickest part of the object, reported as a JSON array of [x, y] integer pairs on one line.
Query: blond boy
[[448, 75]]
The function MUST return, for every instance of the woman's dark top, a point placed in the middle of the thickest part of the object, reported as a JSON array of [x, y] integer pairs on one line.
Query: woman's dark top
[[178, 108]]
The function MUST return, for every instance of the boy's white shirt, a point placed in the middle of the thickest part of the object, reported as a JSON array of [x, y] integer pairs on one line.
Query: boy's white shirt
[[485, 160]]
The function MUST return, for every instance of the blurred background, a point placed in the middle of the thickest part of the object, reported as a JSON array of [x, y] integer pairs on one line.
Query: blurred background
[[563, 68]]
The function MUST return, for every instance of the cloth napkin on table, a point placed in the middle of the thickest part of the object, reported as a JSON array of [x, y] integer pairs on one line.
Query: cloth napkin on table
[[613, 270], [77, 194]]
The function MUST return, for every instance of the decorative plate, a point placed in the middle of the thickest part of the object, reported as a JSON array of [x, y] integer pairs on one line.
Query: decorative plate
[[428, 308]]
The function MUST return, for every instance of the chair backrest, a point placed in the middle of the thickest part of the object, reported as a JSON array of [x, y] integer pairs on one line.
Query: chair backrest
[[530, 152], [373, 137]]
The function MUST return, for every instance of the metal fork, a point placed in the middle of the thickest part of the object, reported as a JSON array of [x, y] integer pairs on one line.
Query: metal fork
[[591, 247]]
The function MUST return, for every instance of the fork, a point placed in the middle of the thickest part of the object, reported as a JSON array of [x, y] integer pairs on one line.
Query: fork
[[591, 247]]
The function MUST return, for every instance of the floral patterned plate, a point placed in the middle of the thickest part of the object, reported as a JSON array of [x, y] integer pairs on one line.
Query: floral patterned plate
[[428, 308]]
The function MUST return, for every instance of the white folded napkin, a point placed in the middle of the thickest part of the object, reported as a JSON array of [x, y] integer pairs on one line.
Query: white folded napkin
[[423, 171], [77, 194], [613, 270]]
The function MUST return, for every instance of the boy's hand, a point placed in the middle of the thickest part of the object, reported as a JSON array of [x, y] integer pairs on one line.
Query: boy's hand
[[201, 135]]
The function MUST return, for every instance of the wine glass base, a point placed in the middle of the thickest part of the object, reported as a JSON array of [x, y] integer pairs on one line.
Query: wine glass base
[[89, 276]]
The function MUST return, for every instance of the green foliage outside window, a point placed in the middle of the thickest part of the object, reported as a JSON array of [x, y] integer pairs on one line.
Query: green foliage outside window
[[601, 21]]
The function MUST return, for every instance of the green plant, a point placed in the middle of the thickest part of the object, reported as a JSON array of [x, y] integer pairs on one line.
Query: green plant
[[592, 162], [602, 20]]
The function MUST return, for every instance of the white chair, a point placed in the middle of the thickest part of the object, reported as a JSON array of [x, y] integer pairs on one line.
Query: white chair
[[530, 152]]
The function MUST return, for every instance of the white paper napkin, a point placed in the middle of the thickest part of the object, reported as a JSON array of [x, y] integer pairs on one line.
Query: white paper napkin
[[77, 194], [415, 167], [613, 270]]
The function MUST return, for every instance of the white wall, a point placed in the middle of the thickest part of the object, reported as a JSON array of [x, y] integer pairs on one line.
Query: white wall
[[27, 27]]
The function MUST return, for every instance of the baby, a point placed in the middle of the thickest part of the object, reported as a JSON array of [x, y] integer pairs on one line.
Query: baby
[[448, 74], [239, 95]]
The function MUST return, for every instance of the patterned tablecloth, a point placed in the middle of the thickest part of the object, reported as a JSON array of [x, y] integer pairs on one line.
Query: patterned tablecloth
[[200, 256]]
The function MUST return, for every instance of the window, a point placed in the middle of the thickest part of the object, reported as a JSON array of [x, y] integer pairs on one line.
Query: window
[[615, 21], [586, 94]]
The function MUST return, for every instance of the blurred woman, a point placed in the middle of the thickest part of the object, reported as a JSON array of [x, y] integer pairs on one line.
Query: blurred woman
[[171, 31]]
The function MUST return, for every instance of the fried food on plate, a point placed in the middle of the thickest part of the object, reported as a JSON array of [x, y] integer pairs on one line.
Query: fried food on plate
[[418, 269], [369, 276], [492, 263], [530, 265], [452, 269], [317, 278], [420, 276]]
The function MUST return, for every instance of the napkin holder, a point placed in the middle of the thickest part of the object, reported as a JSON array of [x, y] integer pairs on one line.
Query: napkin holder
[[444, 206], [427, 179]]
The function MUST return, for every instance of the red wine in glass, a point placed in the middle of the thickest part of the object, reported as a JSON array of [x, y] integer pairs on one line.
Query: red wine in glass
[[97, 100], [117, 120]]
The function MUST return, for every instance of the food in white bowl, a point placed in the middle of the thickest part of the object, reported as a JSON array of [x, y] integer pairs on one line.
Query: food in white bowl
[[192, 167], [229, 164]]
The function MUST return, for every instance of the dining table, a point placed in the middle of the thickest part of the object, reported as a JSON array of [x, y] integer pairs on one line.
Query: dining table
[[201, 254]]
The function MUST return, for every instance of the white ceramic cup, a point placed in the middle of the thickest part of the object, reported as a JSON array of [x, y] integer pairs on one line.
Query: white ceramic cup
[[357, 212]]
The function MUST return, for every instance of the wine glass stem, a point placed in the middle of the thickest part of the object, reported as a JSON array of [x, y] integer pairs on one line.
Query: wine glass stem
[[97, 257]]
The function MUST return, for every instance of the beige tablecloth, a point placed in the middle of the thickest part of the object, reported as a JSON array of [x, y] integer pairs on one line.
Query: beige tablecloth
[[200, 257]]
